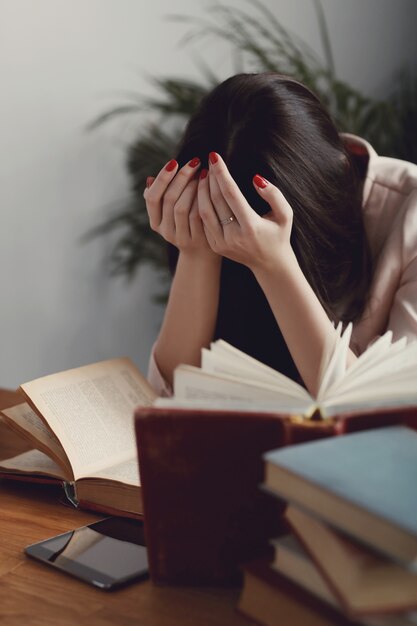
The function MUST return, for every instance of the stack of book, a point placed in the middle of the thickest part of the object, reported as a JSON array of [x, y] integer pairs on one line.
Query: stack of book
[[351, 553]]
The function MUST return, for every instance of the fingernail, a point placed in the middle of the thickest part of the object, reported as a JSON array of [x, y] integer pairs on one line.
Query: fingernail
[[260, 181], [213, 157], [194, 162], [149, 181], [203, 173], [171, 165]]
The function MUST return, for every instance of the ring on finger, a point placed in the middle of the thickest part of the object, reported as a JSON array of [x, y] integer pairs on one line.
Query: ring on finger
[[227, 220]]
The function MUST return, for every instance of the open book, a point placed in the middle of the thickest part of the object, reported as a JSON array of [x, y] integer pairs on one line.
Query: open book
[[80, 423], [383, 376]]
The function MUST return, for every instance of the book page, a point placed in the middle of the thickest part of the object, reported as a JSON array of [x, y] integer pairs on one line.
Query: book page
[[33, 462], [126, 473], [223, 358], [383, 376], [225, 364], [383, 361], [90, 410], [366, 361], [191, 383], [23, 419], [337, 365], [328, 351], [233, 405], [394, 395]]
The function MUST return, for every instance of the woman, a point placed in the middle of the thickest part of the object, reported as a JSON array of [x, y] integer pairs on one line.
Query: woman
[[290, 229]]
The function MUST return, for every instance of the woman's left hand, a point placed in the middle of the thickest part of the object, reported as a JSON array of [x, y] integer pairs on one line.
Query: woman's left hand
[[234, 230]]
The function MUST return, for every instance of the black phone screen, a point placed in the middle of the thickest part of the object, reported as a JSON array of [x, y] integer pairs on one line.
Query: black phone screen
[[108, 554]]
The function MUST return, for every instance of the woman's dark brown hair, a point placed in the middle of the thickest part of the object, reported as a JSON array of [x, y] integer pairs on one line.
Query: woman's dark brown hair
[[272, 125]]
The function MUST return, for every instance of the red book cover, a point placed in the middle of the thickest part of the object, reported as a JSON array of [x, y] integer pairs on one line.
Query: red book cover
[[200, 475]]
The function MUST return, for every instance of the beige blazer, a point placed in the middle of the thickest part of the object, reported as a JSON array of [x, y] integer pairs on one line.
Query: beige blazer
[[390, 218]]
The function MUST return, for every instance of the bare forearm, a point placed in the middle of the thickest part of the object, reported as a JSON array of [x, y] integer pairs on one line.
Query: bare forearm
[[303, 321], [191, 313]]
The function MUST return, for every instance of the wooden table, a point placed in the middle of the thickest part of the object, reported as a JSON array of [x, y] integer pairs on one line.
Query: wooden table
[[31, 594]]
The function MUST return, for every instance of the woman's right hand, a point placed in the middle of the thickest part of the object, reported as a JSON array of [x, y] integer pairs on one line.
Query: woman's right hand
[[191, 312], [171, 202]]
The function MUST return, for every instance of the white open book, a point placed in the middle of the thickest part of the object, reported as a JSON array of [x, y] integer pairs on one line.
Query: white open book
[[80, 423], [385, 375]]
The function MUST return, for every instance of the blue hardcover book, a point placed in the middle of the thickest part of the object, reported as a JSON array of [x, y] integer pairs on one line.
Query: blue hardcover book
[[364, 484]]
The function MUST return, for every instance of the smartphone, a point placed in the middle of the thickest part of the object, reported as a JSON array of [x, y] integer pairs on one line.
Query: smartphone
[[107, 554]]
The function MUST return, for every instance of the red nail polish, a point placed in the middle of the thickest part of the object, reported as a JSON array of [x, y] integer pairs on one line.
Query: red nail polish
[[149, 181], [194, 162], [213, 157], [203, 173], [260, 181], [171, 165]]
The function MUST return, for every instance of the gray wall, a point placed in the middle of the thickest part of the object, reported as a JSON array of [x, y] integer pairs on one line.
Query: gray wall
[[63, 62]]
